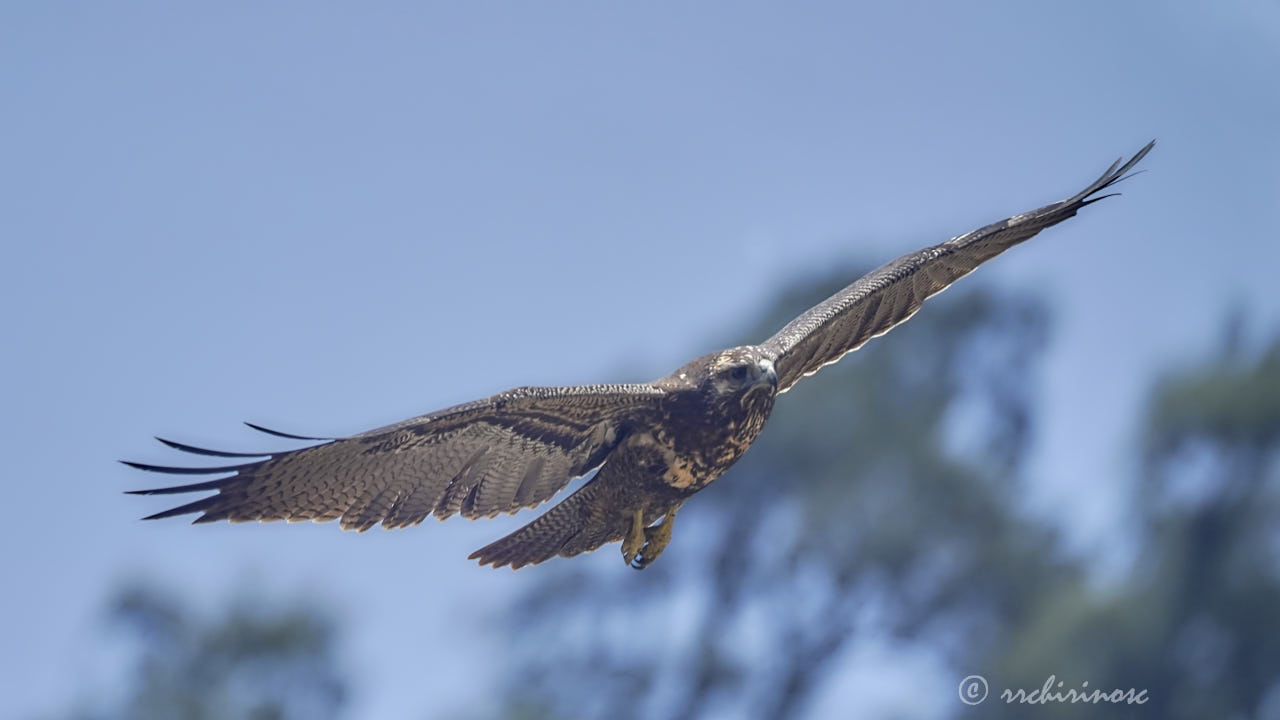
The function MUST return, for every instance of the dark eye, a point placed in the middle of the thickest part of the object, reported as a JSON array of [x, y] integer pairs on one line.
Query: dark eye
[[739, 373]]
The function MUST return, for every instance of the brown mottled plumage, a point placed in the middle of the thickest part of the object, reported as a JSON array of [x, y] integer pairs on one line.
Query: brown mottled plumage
[[655, 444]]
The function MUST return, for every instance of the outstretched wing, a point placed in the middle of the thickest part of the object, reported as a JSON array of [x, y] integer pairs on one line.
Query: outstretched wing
[[878, 301], [507, 452]]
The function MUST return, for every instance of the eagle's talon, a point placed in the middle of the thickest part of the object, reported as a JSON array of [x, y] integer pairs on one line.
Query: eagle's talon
[[635, 539], [644, 559], [656, 539]]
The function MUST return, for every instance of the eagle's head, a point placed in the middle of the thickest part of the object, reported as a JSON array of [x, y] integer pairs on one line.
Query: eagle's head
[[739, 371]]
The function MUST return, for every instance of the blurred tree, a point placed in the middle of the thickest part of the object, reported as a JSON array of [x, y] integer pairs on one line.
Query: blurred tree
[[249, 662], [1198, 622], [880, 500]]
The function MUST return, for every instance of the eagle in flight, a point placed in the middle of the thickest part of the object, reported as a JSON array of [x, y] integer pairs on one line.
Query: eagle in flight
[[654, 444]]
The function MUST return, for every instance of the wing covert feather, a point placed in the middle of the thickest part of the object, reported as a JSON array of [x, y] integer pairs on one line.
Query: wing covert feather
[[501, 454], [891, 294]]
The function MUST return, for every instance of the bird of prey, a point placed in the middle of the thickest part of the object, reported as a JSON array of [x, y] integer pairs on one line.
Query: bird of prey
[[652, 445]]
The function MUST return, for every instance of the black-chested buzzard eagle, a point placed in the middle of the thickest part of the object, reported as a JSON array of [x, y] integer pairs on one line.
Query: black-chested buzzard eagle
[[655, 444]]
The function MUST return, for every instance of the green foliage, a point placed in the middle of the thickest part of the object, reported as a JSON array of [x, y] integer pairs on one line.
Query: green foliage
[[249, 661], [1231, 402]]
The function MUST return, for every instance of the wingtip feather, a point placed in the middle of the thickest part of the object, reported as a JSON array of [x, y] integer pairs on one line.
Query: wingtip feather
[[187, 509], [205, 451], [173, 470], [1120, 170], [178, 489], [289, 436]]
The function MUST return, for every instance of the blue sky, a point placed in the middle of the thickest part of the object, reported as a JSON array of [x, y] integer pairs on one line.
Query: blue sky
[[326, 218]]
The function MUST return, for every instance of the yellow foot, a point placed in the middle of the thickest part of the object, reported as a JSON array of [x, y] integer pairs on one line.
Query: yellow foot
[[635, 539], [655, 540]]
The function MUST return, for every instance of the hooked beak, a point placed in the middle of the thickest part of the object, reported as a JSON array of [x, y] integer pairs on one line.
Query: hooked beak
[[766, 382], [768, 374]]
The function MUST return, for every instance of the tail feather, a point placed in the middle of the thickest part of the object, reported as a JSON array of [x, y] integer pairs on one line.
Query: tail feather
[[581, 523]]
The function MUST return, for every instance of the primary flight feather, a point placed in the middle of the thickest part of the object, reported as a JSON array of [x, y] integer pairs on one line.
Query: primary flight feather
[[655, 444]]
